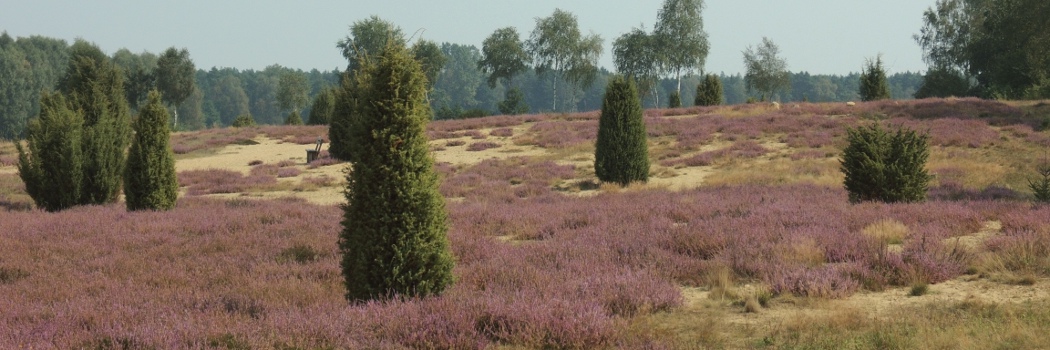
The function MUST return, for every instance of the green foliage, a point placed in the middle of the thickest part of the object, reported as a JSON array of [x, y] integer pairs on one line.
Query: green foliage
[[681, 41], [342, 117], [621, 153], [635, 56], [430, 58], [943, 82], [1041, 187], [873, 84], [394, 239], [513, 103], [367, 37], [292, 91], [243, 120], [458, 83], [504, 56], [1001, 45], [885, 167], [94, 88], [28, 66], [562, 53], [176, 78], [709, 91], [149, 178], [674, 100], [293, 119], [52, 167], [139, 75], [766, 71], [323, 107]]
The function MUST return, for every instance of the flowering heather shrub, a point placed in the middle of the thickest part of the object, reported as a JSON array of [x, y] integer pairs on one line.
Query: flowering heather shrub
[[298, 134], [481, 146], [955, 132], [286, 163], [495, 179], [186, 142], [320, 181], [560, 134], [8, 159], [255, 162], [810, 154], [201, 182], [264, 170], [502, 132], [454, 143], [443, 127], [288, 172], [474, 134], [266, 272]]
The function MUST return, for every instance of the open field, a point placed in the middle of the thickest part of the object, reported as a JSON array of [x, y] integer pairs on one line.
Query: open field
[[743, 238]]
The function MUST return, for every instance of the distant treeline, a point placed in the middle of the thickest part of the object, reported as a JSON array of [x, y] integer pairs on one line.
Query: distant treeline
[[31, 65]]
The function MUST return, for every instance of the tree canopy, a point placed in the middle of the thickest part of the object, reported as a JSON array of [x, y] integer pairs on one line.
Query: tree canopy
[[766, 72], [175, 78], [681, 38]]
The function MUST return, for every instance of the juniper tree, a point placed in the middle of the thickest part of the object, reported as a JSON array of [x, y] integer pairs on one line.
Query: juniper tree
[[394, 239], [709, 92], [94, 87], [149, 178], [323, 107], [674, 100], [885, 167], [52, 167], [873, 85], [293, 119], [621, 154]]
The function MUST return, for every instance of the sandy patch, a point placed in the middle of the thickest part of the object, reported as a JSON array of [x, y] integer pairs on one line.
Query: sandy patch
[[459, 155]]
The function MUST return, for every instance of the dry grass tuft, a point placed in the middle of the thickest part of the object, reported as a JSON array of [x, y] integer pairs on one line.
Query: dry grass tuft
[[888, 231]]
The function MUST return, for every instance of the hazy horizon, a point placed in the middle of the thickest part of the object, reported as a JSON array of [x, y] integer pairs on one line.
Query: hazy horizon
[[816, 36]]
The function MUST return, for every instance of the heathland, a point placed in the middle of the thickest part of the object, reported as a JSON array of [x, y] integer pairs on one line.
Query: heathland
[[742, 238]]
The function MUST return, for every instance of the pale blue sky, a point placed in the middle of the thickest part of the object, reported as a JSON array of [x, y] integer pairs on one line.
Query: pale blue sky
[[818, 36]]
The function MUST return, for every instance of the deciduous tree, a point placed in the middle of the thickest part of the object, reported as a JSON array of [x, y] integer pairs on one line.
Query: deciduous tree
[[176, 79], [292, 91], [503, 56], [635, 55], [681, 38], [766, 72], [561, 52]]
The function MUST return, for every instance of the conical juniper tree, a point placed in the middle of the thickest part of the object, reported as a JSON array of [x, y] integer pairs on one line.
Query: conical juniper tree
[[885, 167], [149, 178], [94, 87], [621, 154], [394, 241], [873, 85], [709, 92], [52, 167]]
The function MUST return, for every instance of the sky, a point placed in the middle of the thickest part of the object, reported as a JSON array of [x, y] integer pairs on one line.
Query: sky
[[816, 36]]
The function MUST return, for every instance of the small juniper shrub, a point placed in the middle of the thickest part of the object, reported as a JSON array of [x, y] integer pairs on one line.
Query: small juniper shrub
[[1041, 186], [243, 120], [885, 167], [709, 92], [621, 151], [481, 146], [293, 119]]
